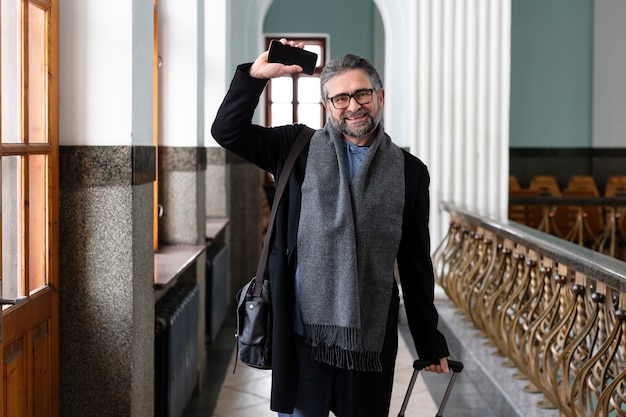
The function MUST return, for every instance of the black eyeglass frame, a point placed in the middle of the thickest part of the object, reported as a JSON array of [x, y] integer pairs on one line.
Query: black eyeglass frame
[[353, 96]]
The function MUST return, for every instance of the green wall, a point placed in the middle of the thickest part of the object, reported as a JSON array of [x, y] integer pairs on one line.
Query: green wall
[[551, 101], [551, 73], [350, 23]]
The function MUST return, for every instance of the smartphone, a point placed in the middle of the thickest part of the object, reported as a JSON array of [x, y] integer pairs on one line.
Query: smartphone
[[291, 55]]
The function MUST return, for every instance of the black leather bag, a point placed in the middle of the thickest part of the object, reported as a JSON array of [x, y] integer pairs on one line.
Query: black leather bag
[[254, 325], [254, 301]]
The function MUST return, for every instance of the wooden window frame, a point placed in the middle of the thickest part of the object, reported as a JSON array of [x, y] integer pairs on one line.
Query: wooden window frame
[[32, 325], [309, 40], [26, 149]]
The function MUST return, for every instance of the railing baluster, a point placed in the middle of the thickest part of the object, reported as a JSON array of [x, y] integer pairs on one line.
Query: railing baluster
[[446, 250], [482, 281], [562, 329], [550, 332], [612, 401]]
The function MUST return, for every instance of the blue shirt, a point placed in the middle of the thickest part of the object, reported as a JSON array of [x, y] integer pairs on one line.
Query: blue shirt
[[354, 157]]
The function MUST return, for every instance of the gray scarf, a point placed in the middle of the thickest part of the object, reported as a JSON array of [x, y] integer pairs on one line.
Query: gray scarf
[[348, 239]]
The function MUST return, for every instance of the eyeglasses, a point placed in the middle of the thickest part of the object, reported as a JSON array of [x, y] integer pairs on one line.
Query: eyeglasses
[[342, 101]]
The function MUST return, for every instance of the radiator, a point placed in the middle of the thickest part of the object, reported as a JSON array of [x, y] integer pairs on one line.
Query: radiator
[[216, 290], [176, 349]]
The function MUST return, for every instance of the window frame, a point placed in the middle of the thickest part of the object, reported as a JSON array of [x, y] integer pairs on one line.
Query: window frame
[[27, 148], [322, 42]]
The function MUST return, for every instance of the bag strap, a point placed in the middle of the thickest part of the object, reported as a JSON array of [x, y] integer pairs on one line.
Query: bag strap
[[301, 140]]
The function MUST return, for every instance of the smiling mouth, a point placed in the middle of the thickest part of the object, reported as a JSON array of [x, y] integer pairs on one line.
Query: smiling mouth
[[356, 118]]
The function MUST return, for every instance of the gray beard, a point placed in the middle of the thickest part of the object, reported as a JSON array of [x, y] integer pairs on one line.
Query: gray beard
[[367, 128]]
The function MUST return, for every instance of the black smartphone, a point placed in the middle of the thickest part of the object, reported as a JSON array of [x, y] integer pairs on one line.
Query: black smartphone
[[291, 55]]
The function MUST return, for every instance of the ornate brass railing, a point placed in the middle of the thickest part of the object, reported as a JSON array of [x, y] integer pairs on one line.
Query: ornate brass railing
[[555, 310]]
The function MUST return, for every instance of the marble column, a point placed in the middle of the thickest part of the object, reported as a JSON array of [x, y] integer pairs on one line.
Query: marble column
[[107, 276]]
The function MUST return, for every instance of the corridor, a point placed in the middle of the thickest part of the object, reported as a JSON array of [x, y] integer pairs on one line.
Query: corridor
[[246, 392]]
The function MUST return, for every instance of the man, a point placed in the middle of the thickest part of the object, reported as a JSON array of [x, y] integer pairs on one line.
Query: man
[[353, 205]]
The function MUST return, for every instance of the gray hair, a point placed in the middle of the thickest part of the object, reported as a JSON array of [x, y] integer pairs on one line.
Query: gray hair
[[346, 63]]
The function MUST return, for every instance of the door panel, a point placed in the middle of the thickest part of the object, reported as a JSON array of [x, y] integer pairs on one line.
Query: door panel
[[27, 357], [27, 315], [26, 369], [15, 377], [42, 382]]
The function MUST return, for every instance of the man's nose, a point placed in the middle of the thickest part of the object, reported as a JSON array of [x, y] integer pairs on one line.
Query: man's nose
[[353, 105]]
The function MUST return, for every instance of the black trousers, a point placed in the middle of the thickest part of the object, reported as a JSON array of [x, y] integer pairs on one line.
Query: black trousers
[[348, 393]]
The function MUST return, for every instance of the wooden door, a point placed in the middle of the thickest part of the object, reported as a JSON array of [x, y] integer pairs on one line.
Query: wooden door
[[29, 348], [29, 328]]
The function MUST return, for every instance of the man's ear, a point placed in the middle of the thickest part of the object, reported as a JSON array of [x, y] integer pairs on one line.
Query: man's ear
[[382, 98]]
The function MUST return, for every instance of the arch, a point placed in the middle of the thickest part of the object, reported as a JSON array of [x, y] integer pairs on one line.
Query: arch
[[246, 34], [400, 60]]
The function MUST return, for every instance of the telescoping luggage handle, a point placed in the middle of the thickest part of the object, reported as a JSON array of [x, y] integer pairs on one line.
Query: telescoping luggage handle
[[418, 365]]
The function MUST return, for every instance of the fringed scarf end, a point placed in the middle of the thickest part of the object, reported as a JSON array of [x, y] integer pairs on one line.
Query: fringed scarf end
[[348, 338], [367, 361]]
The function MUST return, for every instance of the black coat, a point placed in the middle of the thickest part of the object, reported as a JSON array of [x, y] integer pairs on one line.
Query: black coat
[[268, 149]]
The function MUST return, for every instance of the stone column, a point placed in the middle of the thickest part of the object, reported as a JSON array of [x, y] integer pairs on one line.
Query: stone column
[[107, 280]]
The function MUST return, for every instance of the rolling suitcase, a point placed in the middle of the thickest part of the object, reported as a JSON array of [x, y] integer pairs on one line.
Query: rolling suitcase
[[418, 365]]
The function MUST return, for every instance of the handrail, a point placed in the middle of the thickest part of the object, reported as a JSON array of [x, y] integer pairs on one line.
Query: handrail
[[554, 309], [594, 264]]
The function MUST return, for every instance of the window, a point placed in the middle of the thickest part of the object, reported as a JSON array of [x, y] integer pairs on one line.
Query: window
[[28, 146], [296, 98], [29, 200]]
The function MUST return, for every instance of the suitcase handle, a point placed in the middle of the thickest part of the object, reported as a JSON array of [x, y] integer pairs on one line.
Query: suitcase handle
[[455, 366], [418, 365]]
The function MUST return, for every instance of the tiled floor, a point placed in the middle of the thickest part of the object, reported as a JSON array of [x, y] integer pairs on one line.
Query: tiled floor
[[245, 393]]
